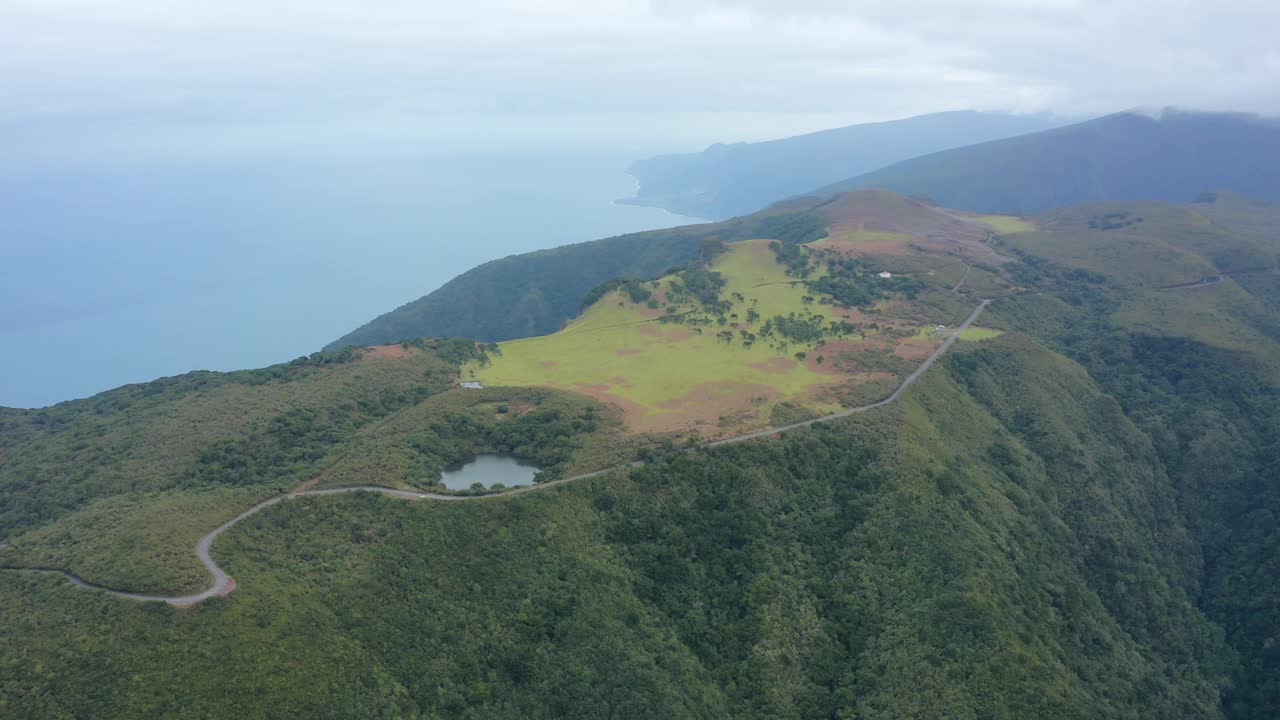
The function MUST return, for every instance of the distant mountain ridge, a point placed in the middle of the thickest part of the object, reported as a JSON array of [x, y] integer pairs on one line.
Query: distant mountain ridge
[[726, 180], [1170, 156]]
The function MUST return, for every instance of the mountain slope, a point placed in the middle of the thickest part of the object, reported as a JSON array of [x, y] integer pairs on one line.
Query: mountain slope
[[533, 293], [1196, 365], [536, 293], [1172, 157], [924, 562], [727, 180], [1076, 518]]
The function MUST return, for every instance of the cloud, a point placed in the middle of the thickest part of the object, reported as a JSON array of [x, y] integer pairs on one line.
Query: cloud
[[324, 61]]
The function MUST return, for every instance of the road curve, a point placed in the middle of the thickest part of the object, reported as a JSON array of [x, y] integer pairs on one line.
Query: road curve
[[223, 584]]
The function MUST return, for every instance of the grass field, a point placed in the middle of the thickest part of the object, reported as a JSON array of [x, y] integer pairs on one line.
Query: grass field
[[669, 377], [674, 365], [980, 333], [1006, 224]]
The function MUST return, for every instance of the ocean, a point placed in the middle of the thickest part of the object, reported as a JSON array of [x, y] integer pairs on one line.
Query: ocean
[[123, 274]]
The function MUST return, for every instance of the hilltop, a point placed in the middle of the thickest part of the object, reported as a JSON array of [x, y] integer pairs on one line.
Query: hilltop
[[1172, 157], [727, 180]]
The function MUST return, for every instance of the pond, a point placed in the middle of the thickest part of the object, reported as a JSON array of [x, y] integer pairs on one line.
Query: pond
[[487, 470]]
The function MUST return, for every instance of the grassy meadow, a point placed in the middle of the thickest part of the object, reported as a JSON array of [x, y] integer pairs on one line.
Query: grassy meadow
[[702, 376]]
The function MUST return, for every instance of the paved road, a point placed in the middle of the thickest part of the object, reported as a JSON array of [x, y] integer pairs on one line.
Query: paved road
[[223, 584]]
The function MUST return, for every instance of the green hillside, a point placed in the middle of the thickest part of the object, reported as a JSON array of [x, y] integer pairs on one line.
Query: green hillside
[[1072, 515], [533, 293], [119, 487], [920, 563], [1172, 157]]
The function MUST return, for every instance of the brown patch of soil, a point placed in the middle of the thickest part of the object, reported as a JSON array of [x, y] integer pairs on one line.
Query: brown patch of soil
[[829, 353], [929, 227], [856, 315], [702, 408], [231, 585], [840, 244], [548, 363], [393, 352], [916, 348], [632, 412], [628, 351]]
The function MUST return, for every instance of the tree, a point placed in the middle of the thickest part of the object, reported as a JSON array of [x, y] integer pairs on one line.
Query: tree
[[711, 248]]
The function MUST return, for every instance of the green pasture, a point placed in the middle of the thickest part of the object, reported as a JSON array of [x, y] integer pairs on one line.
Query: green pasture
[[980, 333], [1006, 224], [620, 349]]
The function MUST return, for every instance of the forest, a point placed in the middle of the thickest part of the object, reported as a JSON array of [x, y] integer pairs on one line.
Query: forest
[[878, 567]]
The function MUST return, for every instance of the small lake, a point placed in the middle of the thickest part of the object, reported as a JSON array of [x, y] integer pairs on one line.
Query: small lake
[[489, 469]]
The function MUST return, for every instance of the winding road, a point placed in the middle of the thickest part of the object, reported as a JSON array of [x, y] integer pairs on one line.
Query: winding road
[[223, 584]]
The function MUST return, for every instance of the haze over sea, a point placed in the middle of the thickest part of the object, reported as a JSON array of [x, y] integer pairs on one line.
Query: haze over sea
[[140, 245], [123, 274]]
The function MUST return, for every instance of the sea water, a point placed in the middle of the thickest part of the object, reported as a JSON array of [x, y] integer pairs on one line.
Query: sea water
[[122, 274]]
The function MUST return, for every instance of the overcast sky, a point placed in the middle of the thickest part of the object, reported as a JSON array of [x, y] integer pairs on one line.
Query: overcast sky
[[590, 71]]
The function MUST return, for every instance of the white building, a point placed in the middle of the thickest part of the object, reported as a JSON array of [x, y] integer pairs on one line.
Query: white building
[[471, 385], [886, 275]]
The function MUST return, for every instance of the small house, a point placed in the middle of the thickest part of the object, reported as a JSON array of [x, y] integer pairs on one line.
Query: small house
[[471, 385], [886, 275]]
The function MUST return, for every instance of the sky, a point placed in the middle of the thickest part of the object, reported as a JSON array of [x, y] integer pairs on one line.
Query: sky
[[175, 76]]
